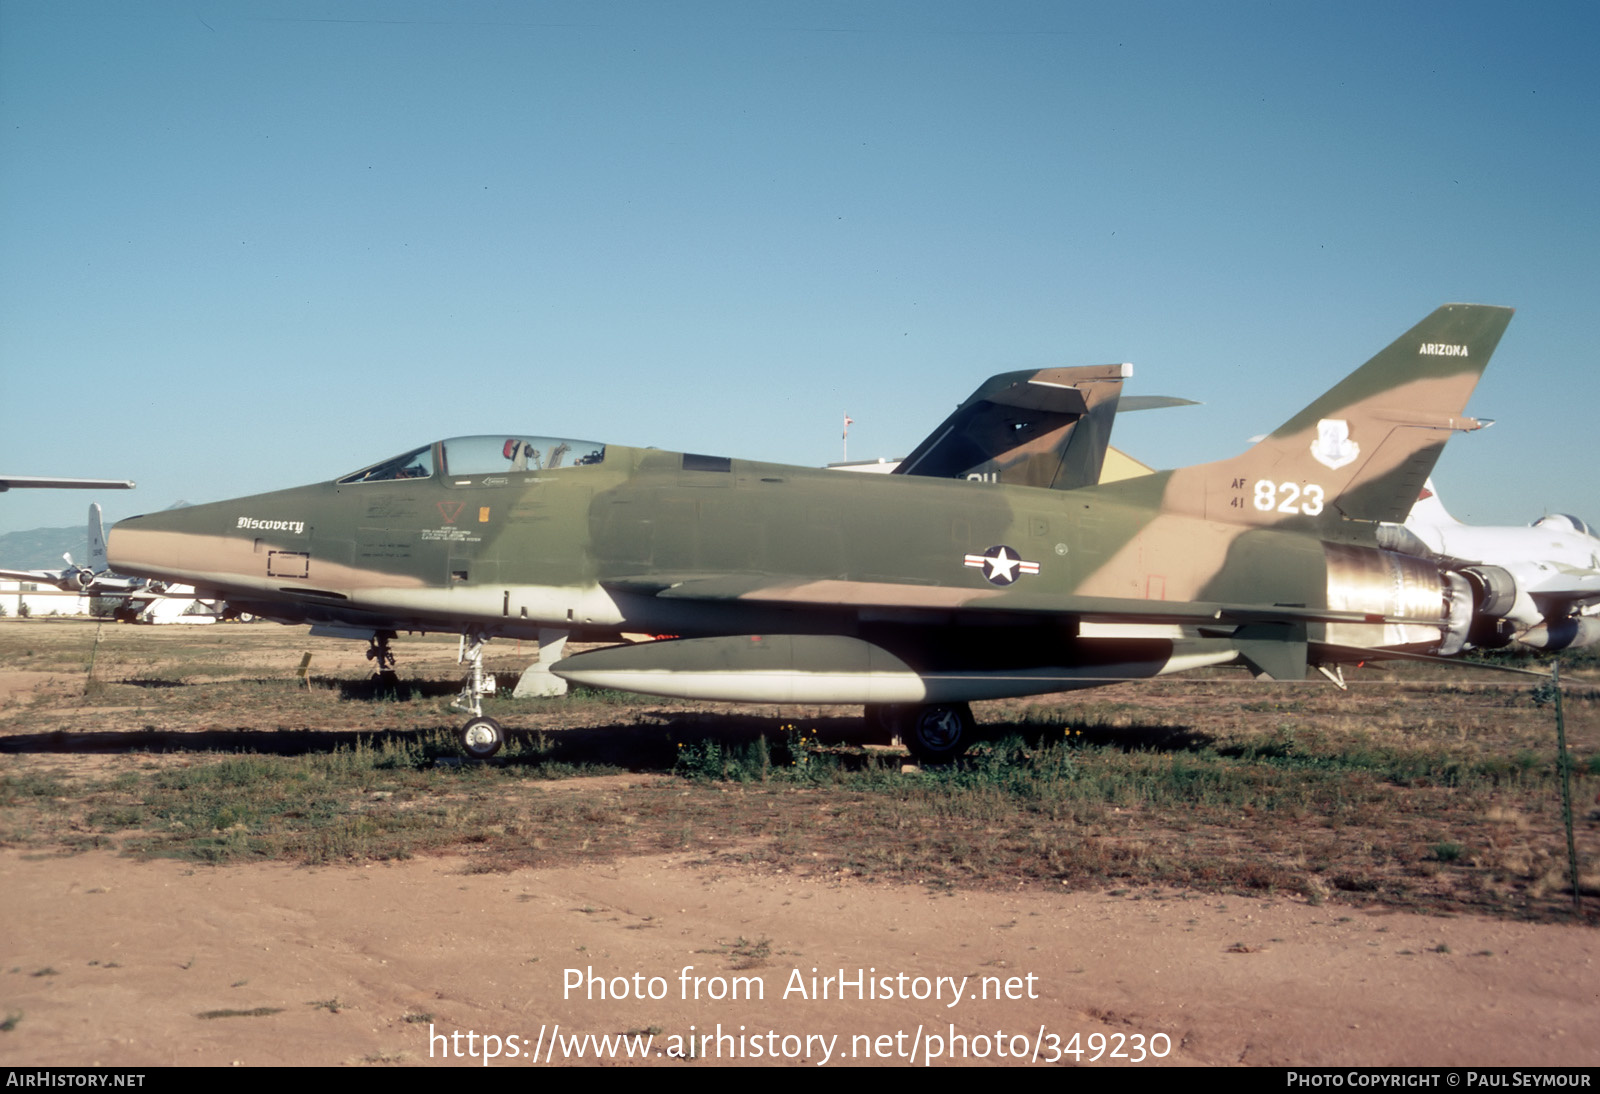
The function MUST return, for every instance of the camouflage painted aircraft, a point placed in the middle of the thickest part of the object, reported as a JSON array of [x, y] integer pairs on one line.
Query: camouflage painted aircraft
[[911, 595]]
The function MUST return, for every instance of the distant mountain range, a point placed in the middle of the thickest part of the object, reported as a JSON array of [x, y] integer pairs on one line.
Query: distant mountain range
[[41, 548]]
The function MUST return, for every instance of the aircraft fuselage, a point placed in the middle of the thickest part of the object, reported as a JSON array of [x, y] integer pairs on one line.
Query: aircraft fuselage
[[753, 547]]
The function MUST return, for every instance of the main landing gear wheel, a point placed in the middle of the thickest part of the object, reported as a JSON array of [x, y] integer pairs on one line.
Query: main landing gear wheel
[[482, 738], [939, 733]]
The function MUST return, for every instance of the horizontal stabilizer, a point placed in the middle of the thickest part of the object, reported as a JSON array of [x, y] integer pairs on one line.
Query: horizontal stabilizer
[[1329, 651]]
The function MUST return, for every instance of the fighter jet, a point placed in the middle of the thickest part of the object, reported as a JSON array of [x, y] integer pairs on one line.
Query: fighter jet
[[911, 595], [1537, 585]]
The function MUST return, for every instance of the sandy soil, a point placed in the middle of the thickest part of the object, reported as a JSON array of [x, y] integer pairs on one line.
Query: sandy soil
[[115, 962]]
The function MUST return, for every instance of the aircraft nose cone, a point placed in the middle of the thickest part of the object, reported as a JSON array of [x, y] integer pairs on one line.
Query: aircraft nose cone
[[156, 545], [125, 545]]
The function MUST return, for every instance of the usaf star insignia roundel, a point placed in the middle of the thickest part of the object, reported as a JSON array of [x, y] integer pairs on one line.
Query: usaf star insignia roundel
[[1002, 565]]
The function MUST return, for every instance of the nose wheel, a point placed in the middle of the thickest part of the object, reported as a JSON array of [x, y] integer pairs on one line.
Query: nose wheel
[[482, 737]]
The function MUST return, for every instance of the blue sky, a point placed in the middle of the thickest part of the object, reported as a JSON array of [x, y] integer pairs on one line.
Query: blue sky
[[251, 245]]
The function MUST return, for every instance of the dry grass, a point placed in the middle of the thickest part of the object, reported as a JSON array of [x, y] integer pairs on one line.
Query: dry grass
[[1423, 787]]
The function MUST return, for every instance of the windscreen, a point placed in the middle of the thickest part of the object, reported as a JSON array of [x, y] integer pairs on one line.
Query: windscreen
[[416, 464]]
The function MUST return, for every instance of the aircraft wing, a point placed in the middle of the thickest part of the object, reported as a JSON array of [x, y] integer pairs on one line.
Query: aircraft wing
[[1565, 588], [60, 579], [17, 482], [49, 577], [106, 585], [68, 582], [890, 596], [931, 643]]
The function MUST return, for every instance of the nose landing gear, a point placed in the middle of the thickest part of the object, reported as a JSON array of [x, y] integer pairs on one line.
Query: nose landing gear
[[482, 736]]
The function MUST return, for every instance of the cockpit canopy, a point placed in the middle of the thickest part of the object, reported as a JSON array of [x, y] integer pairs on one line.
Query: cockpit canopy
[[497, 454], [491, 454], [1563, 521]]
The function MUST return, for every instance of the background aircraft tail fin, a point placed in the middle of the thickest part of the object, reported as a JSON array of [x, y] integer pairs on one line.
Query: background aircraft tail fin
[[1045, 427], [1429, 509], [97, 540]]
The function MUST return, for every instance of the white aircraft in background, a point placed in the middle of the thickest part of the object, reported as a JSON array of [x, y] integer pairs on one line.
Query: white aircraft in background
[[142, 601], [74, 579], [95, 579], [1538, 585]]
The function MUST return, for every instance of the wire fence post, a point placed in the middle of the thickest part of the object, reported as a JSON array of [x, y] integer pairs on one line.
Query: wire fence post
[[1564, 765]]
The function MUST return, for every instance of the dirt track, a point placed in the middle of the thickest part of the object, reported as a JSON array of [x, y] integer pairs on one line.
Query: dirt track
[[138, 953]]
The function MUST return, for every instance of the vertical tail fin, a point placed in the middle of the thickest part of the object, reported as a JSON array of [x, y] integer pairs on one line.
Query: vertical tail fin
[[97, 540], [1048, 428], [1429, 510], [1364, 449]]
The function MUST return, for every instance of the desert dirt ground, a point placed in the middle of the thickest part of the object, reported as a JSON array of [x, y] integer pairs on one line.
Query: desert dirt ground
[[119, 960]]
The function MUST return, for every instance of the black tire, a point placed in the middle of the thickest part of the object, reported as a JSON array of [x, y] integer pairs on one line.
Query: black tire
[[481, 738], [938, 733]]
